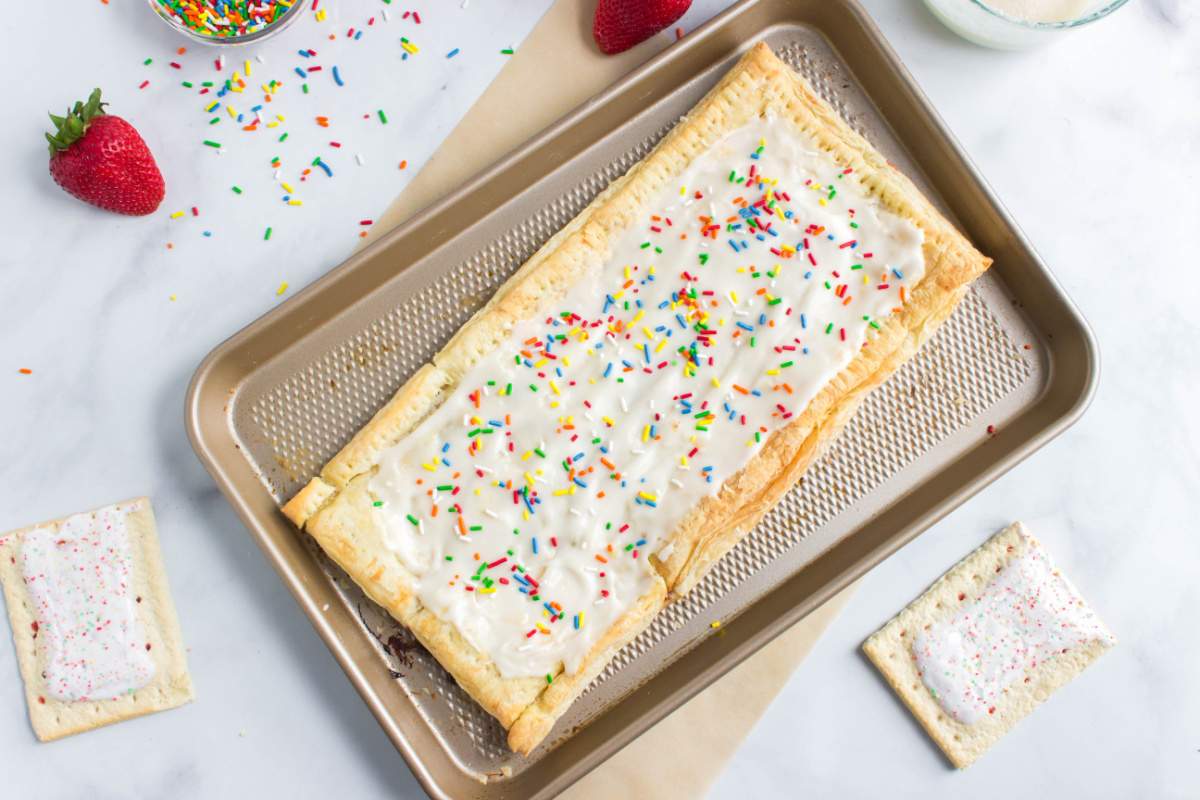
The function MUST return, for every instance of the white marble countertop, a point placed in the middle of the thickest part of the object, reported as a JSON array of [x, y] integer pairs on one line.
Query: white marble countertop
[[1094, 145]]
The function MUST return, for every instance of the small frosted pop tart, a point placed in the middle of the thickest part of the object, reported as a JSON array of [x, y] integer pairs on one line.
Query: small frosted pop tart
[[988, 642], [95, 630]]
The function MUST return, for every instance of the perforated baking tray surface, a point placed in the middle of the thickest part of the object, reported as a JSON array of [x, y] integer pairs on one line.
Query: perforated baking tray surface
[[1013, 366]]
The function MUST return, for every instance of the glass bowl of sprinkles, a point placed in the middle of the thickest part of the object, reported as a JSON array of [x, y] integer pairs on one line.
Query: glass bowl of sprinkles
[[1018, 24], [226, 22]]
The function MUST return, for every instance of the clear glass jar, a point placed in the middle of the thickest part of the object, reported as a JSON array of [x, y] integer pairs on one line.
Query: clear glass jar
[[982, 23], [163, 12]]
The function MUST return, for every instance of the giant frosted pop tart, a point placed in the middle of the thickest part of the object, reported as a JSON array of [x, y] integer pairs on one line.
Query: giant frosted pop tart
[[638, 394]]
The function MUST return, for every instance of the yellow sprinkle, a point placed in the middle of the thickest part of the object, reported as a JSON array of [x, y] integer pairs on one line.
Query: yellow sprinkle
[[272, 124], [287, 187], [581, 619], [540, 363], [608, 421], [682, 190], [637, 317], [487, 590], [282, 288], [280, 118], [321, 15], [714, 624], [716, 383], [247, 63], [554, 387], [646, 434], [661, 345], [649, 333], [733, 296], [430, 467], [647, 496], [295, 202], [525, 456], [561, 492], [177, 215], [172, 298], [772, 372]]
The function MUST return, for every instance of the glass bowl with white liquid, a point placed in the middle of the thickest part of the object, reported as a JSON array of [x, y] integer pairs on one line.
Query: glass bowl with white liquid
[[1016, 24]]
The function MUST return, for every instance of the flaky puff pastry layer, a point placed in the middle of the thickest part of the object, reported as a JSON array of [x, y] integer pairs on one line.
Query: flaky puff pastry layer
[[335, 507]]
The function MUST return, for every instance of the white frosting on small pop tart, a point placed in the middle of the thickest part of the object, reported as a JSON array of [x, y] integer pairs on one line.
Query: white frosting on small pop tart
[[79, 575]]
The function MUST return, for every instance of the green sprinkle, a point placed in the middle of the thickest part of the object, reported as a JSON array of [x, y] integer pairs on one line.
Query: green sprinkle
[[539, 451], [775, 302], [237, 190], [214, 120], [304, 88], [704, 258], [211, 143], [449, 558], [445, 488], [829, 328], [532, 388], [267, 235], [377, 503], [856, 266], [853, 224], [148, 62], [413, 519], [549, 678], [508, 51], [786, 364], [475, 528], [382, 117], [186, 84], [283, 138]]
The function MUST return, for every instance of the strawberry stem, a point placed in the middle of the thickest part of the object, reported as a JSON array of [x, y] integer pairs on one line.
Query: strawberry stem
[[72, 127]]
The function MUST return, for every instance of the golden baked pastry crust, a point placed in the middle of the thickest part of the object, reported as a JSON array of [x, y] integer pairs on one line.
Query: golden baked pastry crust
[[334, 507], [891, 651], [171, 685]]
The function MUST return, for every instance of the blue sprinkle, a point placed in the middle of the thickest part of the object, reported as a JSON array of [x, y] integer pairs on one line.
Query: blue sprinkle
[[452, 53], [803, 321], [325, 167], [534, 539], [299, 72], [745, 327], [337, 77]]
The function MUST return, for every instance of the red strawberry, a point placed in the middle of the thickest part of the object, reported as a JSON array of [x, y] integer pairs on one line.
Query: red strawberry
[[620, 24], [102, 160]]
